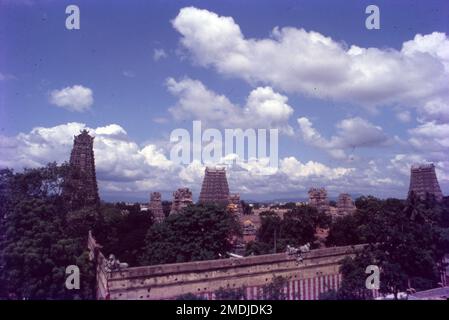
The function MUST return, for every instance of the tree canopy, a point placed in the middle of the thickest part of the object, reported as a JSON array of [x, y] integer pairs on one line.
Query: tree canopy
[[198, 232]]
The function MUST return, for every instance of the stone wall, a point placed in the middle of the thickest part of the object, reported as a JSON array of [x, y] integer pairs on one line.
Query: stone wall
[[317, 273]]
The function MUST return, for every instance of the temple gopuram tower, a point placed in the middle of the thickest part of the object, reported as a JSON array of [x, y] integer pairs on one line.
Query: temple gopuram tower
[[423, 181], [345, 205], [82, 189], [181, 199], [215, 187], [235, 205], [318, 199], [155, 206]]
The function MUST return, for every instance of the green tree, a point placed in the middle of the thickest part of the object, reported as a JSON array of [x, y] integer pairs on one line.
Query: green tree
[[296, 228], [405, 240], [344, 231], [353, 272], [199, 232], [36, 244]]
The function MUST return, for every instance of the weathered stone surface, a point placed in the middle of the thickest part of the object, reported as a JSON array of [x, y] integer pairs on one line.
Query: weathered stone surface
[[423, 180], [181, 199], [155, 206], [215, 187], [83, 189], [318, 199], [345, 205], [235, 205], [317, 273]]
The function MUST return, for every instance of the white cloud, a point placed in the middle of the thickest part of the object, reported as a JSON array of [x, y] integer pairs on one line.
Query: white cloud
[[351, 133], [159, 54], [401, 164], [7, 76], [404, 116], [76, 98], [434, 110], [128, 74], [297, 170], [430, 136], [111, 130], [264, 108], [117, 158], [295, 60], [125, 167]]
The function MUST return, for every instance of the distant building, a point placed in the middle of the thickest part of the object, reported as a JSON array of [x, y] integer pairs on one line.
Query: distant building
[[423, 181], [144, 207], [318, 199], [181, 199], [249, 231], [155, 206], [215, 187], [82, 189], [345, 205], [235, 205]]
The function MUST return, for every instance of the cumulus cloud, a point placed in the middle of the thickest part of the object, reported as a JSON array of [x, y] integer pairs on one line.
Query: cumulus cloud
[[351, 133], [264, 108], [401, 163], [76, 98], [7, 76], [159, 54], [434, 110], [294, 168], [123, 166], [404, 116], [117, 157], [128, 74], [310, 63], [430, 136]]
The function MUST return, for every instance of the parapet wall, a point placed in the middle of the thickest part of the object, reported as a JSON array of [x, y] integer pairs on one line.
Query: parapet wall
[[317, 273]]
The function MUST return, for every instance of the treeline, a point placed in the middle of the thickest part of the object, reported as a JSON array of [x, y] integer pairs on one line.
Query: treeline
[[406, 240], [296, 228], [42, 232], [40, 236]]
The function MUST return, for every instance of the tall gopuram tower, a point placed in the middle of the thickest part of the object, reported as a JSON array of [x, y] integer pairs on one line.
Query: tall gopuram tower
[[235, 205], [318, 199], [423, 181], [215, 187], [345, 205], [82, 188], [182, 198], [155, 206]]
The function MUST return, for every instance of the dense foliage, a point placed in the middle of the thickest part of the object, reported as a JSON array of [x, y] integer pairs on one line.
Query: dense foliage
[[40, 237], [200, 232], [297, 228], [405, 239]]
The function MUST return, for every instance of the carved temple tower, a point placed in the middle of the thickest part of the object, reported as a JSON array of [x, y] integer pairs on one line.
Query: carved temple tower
[[423, 181], [181, 199], [345, 205], [215, 187], [82, 188], [318, 199], [155, 206]]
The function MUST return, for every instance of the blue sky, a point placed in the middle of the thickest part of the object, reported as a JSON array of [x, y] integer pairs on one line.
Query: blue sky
[[129, 98]]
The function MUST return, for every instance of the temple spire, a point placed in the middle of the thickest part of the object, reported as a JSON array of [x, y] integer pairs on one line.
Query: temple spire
[[82, 189], [215, 187]]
